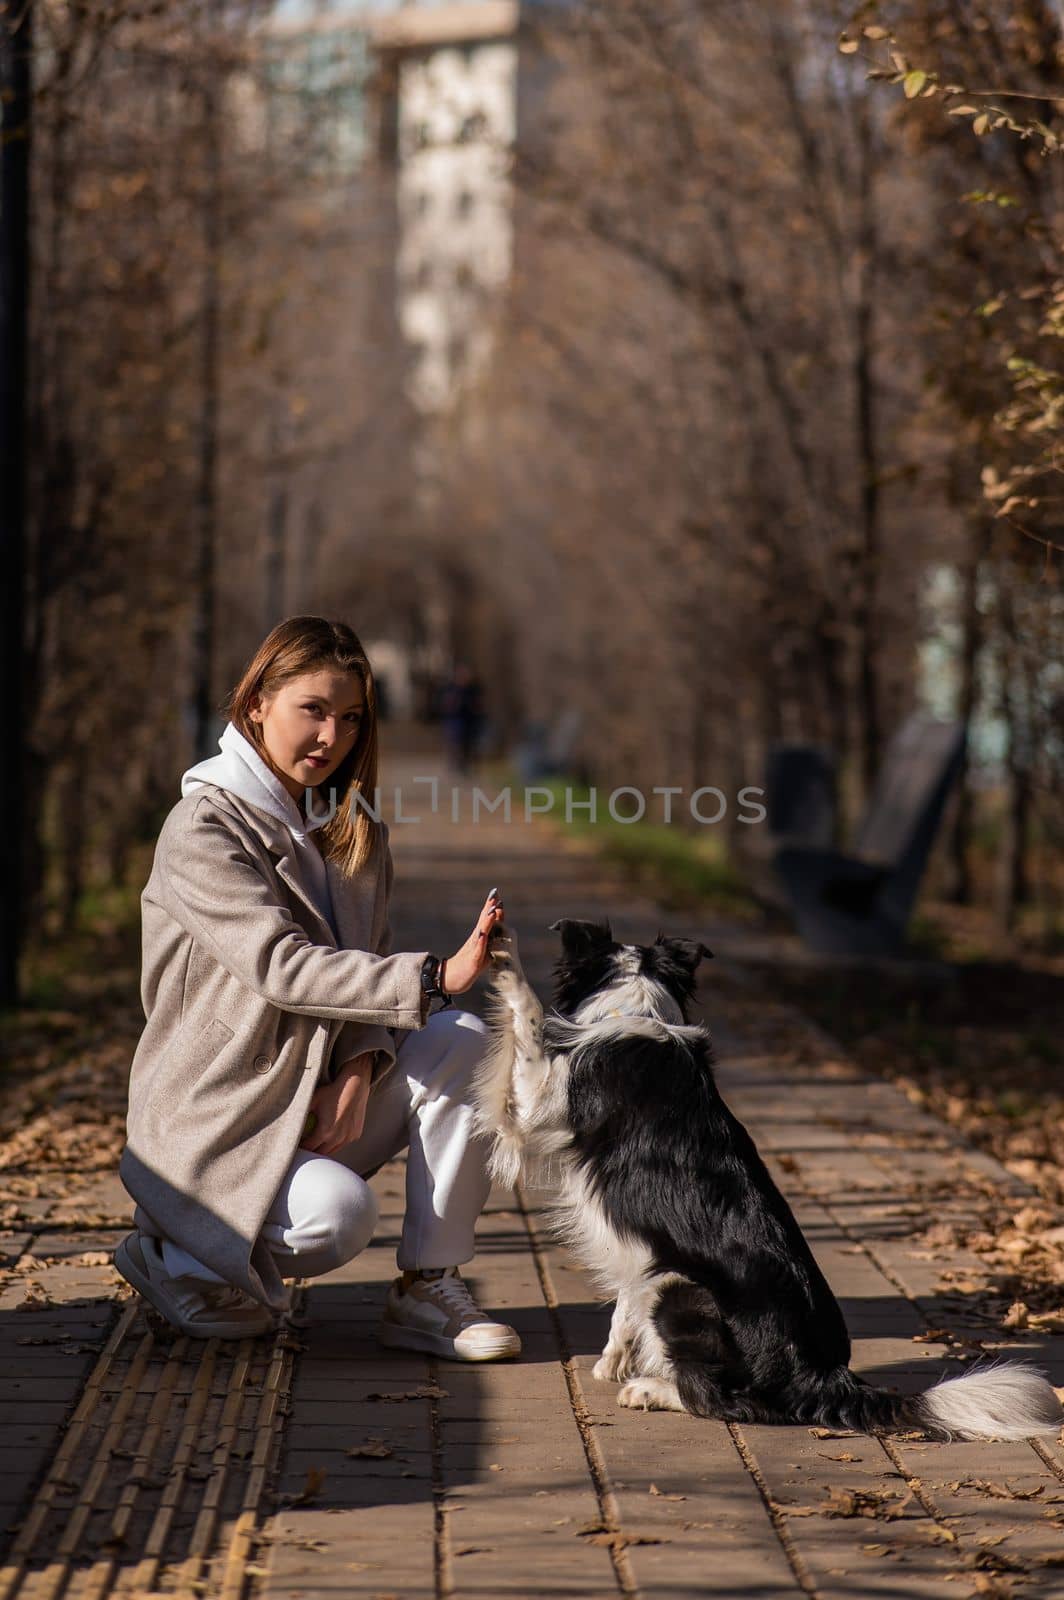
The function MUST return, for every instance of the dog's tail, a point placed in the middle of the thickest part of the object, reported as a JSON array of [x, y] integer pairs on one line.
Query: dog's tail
[[1005, 1400], [1002, 1400]]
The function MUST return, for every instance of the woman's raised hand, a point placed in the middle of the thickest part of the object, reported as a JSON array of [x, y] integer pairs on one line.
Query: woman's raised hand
[[461, 970]]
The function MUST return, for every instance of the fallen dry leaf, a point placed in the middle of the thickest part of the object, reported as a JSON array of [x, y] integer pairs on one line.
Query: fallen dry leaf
[[863, 1503], [1029, 1219], [997, 1491], [34, 1299], [29, 1263], [621, 1541], [994, 1561], [312, 1487]]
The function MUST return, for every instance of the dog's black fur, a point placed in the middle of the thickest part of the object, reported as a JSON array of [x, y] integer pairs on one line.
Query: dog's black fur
[[756, 1334]]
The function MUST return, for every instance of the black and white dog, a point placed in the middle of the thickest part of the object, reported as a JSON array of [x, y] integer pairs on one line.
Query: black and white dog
[[721, 1309]]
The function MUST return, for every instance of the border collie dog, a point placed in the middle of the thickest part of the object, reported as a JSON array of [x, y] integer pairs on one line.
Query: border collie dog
[[721, 1309]]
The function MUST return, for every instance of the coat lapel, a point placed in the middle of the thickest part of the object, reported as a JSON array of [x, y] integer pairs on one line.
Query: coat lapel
[[278, 841], [352, 910], [286, 869]]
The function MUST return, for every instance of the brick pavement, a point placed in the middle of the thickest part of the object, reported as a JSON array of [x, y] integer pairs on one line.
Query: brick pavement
[[323, 1464]]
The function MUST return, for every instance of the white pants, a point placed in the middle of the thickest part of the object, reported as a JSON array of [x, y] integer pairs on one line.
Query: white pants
[[325, 1211]]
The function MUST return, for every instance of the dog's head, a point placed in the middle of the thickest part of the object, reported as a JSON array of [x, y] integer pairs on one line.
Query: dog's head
[[634, 978]]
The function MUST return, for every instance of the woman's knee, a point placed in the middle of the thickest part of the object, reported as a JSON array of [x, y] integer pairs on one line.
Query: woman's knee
[[355, 1216], [340, 1212]]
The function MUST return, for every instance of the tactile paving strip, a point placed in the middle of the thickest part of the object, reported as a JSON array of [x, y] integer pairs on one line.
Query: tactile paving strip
[[158, 1481]]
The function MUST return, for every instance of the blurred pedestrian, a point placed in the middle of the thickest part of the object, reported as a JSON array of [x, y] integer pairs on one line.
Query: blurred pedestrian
[[463, 716]]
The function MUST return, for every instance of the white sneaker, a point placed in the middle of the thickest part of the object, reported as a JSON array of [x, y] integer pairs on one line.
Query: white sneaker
[[194, 1305], [439, 1315]]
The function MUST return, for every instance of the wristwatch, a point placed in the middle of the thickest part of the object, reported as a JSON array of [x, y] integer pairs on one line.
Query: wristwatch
[[430, 981]]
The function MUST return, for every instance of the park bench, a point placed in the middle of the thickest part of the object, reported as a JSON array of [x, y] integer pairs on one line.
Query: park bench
[[858, 903], [546, 751], [800, 795], [800, 808]]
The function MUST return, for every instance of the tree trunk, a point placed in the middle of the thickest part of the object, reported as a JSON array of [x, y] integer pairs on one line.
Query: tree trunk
[[959, 882], [1013, 887], [203, 648], [118, 849], [865, 617], [16, 43], [70, 847]]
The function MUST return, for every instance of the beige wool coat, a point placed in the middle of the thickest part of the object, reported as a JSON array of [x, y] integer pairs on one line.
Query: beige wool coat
[[249, 1000]]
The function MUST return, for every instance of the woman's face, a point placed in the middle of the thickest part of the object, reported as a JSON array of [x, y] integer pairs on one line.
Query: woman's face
[[309, 725]]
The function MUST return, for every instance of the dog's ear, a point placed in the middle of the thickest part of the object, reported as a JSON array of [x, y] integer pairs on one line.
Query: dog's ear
[[687, 952], [580, 938]]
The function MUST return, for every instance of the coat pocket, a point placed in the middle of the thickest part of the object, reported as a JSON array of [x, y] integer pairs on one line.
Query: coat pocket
[[212, 1037]]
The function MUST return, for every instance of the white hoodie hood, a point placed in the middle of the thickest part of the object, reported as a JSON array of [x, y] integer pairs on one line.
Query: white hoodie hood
[[241, 770]]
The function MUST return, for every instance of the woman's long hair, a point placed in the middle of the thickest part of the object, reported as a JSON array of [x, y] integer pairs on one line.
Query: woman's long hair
[[307, 644]]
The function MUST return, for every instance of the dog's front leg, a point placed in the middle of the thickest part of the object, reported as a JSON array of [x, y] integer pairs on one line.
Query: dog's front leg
[[518, 1016], [513, 1076], [615, 1361], [650, 1394], [519, 1007]]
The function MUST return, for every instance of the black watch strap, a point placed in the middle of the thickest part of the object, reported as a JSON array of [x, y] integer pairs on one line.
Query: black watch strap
[[430, 980]]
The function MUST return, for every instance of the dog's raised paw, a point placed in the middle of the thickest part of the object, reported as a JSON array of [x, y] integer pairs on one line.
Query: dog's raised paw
[[650, 1394], [502, 947]]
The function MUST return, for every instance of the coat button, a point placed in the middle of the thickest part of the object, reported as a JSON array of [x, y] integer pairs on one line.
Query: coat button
[[262, 1063]]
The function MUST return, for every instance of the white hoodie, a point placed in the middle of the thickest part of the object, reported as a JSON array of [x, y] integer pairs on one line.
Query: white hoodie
[[242, 771]]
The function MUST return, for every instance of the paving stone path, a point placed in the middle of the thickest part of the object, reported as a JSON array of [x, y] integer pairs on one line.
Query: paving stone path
[[319, 1464]]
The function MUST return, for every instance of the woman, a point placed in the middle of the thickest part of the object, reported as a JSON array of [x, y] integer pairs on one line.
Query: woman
[[287, 1053]]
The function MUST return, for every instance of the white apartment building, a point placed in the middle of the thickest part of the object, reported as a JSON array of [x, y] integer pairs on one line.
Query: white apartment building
[[443, 77], [454, 84]]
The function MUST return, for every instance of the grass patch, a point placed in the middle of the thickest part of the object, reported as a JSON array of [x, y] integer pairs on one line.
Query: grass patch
[[99, 952], [79, 988], [684, 871], [927, 938]]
